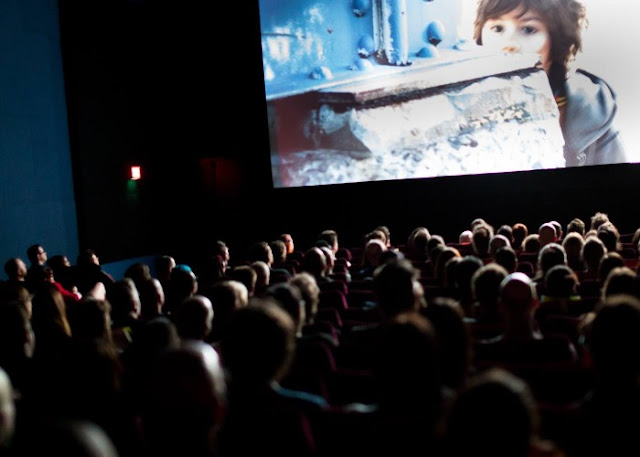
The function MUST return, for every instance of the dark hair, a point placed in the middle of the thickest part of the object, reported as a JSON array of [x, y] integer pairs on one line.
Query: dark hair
[[564, 19]]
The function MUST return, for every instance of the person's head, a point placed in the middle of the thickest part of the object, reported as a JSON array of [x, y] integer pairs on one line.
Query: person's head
[[547, 234], [164, 264], [406, 369], [314, 262], [331, 237], [259, 344], [182, 284], [608, 262], [614, 339], [396, 287], [609, 235], [520, 231], [447, 254], [453, 337], [531, 243], [462, 274], [193, 318], [87, 257], [226, 297], [506, 231], [572, 244], [497, 241], [417, 243], [372, 252], [495, 414], [507, 258], [279, 250], [597, 220], [560, 282], [330, 257], [376, 235], [221, 249], [620, 280], [260, 251], [518, 295], [465, 237], [247, 276], [185, 404], [139, 272], [91, 321], [550, 255], [387, 234], [485, 288], [558, 227], [290, 299], [263, 275], [125, 301], [550, 28], [576, 225], [593, 251], [152, 298], [287, 239], [482, 235], [7, 410], [15, 269], [36, 254], [310, 293]]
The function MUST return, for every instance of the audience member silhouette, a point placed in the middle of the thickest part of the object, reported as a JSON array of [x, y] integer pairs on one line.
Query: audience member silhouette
[[573, 243], [263, 417], [606, 420], [226, 297], [520, 232], [263, 276], [164, 264], [507, 258], [152, 299], [453, 339], [592, 253], [125, 311], [63, 271], [485, 287], [88, 272], [247, 276], [193, 318], [182, 284], [495, 415], [576, 225], [37, 257], [71, 438], [7, 413], [185, 403]]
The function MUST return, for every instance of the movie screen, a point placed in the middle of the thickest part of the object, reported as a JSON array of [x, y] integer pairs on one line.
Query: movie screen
[[372, 90]]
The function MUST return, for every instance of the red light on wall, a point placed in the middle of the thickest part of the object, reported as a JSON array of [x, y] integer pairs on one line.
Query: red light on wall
[[135, 173]]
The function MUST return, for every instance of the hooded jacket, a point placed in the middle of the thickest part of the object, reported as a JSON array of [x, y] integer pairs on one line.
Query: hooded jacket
[[589, 131]]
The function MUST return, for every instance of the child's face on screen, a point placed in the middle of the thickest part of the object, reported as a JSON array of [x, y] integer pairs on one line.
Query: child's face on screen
[[519, 31]]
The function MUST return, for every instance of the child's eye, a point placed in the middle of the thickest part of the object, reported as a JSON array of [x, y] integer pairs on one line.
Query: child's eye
[[497, 29], [529, 30]]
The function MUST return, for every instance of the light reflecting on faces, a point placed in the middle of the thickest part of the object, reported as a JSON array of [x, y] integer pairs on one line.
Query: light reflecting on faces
[[519, 31]]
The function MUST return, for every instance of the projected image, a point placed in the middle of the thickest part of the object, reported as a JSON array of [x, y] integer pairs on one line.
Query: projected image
[[363, 90]]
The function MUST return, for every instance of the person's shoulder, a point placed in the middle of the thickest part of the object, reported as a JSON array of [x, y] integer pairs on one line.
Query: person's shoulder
[[585, 88]]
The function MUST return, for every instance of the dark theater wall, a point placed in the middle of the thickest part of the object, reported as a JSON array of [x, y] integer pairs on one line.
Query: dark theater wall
[[36, 187], [177, 87]]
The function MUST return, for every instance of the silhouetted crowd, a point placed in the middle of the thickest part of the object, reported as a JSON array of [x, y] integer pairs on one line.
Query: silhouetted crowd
[[507, 341]]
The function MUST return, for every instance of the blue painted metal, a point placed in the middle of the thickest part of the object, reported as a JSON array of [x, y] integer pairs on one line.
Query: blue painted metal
[[394, 32], [301, 36]]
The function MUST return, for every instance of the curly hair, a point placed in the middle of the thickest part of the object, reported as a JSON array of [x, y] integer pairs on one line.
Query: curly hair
[[565, 20]]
